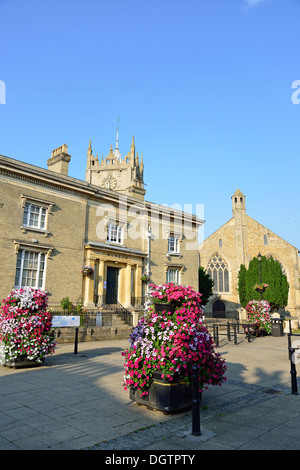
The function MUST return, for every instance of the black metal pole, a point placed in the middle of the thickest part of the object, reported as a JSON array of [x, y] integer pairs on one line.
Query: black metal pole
[[217, 336], [259, 260], [76, 341], [289, 344], [234, 333], [228, 331], [248, 334], [293, 374], [196, 402]]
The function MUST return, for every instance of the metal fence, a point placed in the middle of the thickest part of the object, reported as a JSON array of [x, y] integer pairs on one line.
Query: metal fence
[[94, 318], [111, 300]]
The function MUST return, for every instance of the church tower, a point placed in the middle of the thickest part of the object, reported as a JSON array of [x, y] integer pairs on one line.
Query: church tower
[[124, 175], [240, 221]]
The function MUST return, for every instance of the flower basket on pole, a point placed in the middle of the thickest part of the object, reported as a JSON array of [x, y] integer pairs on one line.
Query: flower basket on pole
[[164, 346]]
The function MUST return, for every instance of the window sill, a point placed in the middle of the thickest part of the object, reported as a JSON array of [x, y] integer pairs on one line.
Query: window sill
[[173, 253], [114, 243], [25, 229]]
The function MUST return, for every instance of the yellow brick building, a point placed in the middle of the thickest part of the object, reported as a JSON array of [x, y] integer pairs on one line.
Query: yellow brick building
[[237, 242], [53, 224]]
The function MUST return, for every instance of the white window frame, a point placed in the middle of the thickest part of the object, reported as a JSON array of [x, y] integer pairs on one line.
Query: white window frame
[[38, 257], [30, 212], [114, 233], [29, 204], [174, 244], [176, 278]]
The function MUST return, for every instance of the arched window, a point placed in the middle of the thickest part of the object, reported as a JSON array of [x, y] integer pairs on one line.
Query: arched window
[[218, 270], [265, 240], [220, 243]]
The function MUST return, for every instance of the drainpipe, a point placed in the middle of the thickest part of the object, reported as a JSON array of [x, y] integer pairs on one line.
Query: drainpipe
[[148, 234]]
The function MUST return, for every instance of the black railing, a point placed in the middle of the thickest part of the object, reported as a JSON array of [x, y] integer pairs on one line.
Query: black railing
[[293, 361], [111, 300], [232, 329]]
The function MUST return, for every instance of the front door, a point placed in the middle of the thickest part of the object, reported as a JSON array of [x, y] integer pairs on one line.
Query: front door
[[112, 285]]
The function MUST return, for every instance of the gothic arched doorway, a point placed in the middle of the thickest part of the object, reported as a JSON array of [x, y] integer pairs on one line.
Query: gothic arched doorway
[[218, 309]]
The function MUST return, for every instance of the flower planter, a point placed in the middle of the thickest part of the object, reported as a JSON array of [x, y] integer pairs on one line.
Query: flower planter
[[164, 395], [168, 340], [167, 307], [22, 361]]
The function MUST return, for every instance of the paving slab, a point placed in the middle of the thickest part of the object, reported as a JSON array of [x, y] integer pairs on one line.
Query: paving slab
[[77, 401]]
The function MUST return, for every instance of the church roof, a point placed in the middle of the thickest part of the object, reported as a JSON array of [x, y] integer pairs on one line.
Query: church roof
[[238, 193]]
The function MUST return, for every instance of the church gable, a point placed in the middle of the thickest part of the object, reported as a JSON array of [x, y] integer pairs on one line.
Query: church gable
[[259, 235]]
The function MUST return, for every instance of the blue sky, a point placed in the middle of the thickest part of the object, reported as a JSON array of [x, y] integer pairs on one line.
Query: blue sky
[[204, 85]]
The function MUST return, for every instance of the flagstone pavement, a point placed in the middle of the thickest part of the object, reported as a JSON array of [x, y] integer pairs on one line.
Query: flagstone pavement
[[77, 402]]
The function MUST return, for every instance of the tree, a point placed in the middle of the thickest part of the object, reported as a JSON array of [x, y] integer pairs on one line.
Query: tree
[[269, 272], [205, 285], [242, 285]]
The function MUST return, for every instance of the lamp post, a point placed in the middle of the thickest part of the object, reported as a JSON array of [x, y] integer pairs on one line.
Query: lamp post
[[259, 262]]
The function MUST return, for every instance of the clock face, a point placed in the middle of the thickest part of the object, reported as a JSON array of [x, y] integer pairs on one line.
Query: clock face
[[109, 182]]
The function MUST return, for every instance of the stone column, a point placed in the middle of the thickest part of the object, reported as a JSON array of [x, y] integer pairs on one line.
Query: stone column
[[138, 283], [128, 285], [101, 292], [89, 287]]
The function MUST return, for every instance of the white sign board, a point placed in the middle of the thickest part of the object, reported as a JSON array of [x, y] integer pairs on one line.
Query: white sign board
[[65, 320], [99, 319]]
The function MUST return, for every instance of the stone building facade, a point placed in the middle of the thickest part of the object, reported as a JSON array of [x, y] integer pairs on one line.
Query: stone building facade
[[53, 224], [237, 242]]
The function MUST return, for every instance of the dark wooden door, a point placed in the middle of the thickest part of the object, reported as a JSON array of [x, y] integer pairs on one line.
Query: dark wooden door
[[218, 309], [112, 285]]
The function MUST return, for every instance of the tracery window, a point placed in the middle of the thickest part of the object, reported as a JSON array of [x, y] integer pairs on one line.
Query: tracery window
[[218, 270]]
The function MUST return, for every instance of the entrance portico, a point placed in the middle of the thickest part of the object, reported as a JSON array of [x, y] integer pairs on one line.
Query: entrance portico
[[117, 275]]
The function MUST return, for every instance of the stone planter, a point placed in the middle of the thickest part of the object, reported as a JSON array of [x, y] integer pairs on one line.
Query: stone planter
[[22, 361], [164, 395], [160, 307]]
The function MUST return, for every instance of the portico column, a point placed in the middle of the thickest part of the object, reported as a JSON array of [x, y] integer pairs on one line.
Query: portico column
[[138, 282], [89, 287], [101, 282], [128, 285]]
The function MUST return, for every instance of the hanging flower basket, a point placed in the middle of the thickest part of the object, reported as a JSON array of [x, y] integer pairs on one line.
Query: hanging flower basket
[[164, 346], [145, 277], [261, 287], [86, 270]]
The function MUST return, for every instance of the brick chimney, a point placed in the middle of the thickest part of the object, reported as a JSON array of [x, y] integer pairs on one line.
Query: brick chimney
[[59, 160]]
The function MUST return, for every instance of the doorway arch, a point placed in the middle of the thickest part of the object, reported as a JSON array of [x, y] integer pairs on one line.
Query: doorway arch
[[218, 309]]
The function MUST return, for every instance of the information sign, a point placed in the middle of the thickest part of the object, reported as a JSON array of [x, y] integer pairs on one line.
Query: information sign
[[65, 320]]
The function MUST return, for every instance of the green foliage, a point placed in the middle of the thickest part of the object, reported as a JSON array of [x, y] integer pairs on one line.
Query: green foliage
[[205, 285], [74, 309], [242, 285], [277, 292]]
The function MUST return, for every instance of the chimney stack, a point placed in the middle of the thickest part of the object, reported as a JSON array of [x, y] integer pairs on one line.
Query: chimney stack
[[59, 160]]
